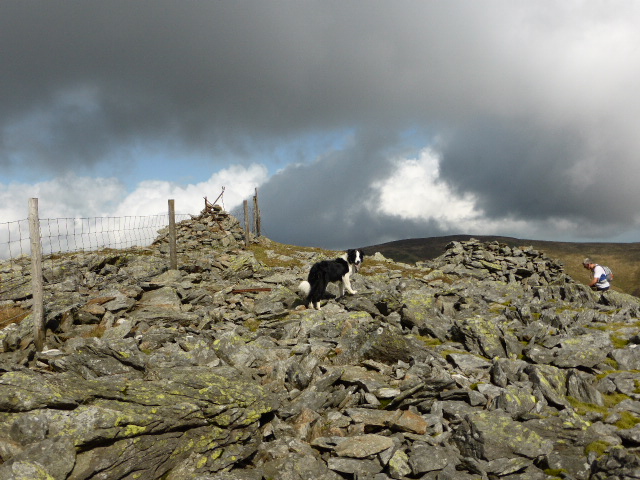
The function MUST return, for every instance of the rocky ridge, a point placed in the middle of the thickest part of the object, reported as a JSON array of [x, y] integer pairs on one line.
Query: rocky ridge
[[487, 362]]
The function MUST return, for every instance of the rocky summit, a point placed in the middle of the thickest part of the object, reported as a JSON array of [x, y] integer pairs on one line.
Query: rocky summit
[[488, 362]]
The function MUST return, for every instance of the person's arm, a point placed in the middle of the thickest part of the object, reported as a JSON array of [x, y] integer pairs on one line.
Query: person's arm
[[597, 274]]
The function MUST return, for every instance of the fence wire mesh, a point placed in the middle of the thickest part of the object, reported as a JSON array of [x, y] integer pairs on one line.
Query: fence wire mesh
[[69, 235], [15, 268], [87, 234], [14, 239], [64, 235]]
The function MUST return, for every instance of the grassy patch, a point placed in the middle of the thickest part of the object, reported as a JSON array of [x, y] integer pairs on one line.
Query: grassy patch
[[96, 332], [582, 408], [555, 473], [599, 447], [612, 399], [271, 254], [600, 376], [252, 324], [429, 341], [11, 314], [619, 342], [373, 267], [627, 420]]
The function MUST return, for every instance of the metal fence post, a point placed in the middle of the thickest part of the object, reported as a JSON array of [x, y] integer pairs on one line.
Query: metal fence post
[[36, 275], [173, 258]]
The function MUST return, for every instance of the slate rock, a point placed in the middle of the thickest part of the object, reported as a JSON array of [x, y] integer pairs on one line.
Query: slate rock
[[627, 358], [363, 446], [630, 436], [428, 458], [493, 435], [480, 336], [398, 465], [361, 467], [55, 459], [551, 382], [517, 402], [583, 350]]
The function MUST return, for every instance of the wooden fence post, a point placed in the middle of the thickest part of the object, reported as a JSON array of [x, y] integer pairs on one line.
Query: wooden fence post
[[256, 213], [173, 258], [245, 204], [36, 275]]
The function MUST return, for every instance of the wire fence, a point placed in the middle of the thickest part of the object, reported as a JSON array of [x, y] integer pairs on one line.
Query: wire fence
[[26, 245], [59, 236], [84, 234], [14, 239], [62, 235]]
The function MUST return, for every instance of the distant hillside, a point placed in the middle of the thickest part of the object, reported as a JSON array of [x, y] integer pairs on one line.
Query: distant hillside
[[622, 258]]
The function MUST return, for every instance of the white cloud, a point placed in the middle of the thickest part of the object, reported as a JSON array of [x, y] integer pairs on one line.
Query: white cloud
[[150, 197], [69, 204], [73, 196], [62, 197], [415, 192]]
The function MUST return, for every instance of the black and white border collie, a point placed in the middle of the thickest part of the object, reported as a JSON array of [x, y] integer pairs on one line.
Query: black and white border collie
[[326, 271]]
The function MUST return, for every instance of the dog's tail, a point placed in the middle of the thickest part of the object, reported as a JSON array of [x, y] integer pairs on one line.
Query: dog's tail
[[304, 288]]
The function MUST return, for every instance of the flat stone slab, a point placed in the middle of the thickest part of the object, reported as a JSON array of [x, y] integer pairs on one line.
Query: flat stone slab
[[363, 446]]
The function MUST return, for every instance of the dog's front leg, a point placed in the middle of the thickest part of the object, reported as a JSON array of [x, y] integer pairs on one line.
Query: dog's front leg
[[346, 283]]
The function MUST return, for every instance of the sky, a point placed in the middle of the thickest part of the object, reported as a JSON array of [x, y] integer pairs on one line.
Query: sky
[[359, 121]]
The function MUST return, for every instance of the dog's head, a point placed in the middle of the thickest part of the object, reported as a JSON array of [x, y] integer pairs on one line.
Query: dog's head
[[355, 258]]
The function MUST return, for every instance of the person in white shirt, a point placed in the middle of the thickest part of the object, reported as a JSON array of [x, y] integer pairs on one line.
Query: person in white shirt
[[599, 277]]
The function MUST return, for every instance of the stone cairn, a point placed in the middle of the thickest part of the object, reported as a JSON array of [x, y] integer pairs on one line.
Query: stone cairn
[[499, 261], [487, 362], [213, 227]]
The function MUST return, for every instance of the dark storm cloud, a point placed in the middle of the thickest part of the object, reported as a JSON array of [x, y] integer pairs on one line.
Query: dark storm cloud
[[526, 170], [221, 74], [534, 103], [334, 205], [529, 168]]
